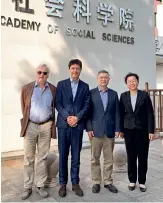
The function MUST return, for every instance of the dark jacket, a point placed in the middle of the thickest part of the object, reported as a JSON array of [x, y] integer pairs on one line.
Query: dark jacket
[[100, 121], [67, 107], [143, 115]]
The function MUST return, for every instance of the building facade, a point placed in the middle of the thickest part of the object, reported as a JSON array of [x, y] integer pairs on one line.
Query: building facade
[[105, 34], [158, 9]]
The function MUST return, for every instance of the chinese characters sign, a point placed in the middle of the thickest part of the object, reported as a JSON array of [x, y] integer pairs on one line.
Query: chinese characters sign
[[55, 7], [82, 8], [21, 9], [105, 13], [126, 19]]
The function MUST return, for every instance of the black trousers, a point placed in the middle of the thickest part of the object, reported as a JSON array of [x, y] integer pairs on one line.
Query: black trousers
[[137, 146]]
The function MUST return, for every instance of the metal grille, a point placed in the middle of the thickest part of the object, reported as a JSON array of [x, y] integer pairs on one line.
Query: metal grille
[[156, 96]]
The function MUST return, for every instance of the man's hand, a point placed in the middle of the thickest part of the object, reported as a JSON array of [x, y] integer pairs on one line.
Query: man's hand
[[117, 134], [121, 135], [90, 134], [72, 121], [151, 136]]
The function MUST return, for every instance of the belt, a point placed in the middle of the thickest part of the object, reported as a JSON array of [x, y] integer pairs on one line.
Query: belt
[[41, 123]]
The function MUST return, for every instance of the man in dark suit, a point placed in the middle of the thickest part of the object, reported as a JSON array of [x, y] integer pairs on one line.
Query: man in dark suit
[[102, 126], [72, 104]]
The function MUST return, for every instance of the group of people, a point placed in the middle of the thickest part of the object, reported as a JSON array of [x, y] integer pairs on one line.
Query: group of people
[[98, 111]]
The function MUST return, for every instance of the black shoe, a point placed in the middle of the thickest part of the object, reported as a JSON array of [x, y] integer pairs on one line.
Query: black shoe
[[96, 188], [78, 191], [142, 189], [62, 191], [111, 187], [131, 188]]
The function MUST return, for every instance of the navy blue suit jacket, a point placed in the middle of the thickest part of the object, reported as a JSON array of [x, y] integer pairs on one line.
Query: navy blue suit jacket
[[67, 107], [104, 122]]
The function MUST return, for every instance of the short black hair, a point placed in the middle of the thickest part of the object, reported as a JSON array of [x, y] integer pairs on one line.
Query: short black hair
[[103, 71], [131, 74], [75, 61]]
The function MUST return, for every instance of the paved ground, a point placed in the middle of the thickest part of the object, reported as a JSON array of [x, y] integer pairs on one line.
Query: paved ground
[[12, 182]]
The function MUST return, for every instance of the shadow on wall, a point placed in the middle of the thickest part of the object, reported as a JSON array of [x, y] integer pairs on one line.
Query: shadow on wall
[[95, 54], [91, 52], [93, 57], [27, 74]]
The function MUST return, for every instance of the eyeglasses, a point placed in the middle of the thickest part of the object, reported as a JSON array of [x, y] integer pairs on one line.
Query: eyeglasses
[[40, 72]]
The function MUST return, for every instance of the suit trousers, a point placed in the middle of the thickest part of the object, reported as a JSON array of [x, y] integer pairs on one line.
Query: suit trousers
[[137, 145], [97, 145], [70, 137], [39, 135]]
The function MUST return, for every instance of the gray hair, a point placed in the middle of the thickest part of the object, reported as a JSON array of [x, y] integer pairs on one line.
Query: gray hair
[[103, 71], [43, 65]]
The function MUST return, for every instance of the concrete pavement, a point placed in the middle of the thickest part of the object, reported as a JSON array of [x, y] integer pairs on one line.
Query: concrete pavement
[[12, 182]]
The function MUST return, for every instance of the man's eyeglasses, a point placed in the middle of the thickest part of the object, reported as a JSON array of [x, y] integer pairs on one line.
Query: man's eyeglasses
[[40, 72]]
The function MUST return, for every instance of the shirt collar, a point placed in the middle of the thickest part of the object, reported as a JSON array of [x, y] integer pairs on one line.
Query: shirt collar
[[46, 85], [76, 82], [102, 90]]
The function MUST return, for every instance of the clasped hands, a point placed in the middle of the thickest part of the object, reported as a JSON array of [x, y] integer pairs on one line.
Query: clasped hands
[[72, 121]]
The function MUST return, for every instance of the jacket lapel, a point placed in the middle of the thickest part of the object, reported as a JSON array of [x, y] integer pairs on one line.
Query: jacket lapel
[[139, 97], [69, 90], [78, 90], [99, 100], [109, 99], [30, 91], [129, 100]]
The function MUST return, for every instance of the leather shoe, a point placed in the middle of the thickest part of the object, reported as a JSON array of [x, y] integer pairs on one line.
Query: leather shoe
[[143, 189], [62, 191], [78, 191], [131, 186], [111, 187], [96, 188]]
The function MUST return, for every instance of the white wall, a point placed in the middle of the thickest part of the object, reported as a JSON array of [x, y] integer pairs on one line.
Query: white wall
[[159, 68], [160, 20], [23, 50]]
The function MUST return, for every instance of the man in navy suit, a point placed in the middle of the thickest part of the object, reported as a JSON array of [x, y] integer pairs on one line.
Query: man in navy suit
[[72, 104], [102, 126]]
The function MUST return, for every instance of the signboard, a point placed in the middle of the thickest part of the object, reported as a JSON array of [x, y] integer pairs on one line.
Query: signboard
[[81, 9]]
